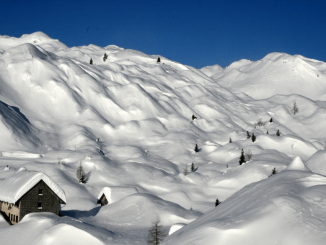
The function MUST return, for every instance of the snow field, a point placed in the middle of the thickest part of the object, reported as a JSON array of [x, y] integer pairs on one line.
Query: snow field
[[55, 104]]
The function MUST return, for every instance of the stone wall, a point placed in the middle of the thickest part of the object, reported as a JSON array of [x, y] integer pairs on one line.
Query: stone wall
[[12, 211]]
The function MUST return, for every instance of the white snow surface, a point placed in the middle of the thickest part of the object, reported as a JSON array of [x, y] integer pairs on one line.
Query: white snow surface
[[19, 183], [55, 105], [287, 208], [297, 164]]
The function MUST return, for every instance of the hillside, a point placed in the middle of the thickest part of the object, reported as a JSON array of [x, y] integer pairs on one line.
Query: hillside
[[128, 121]]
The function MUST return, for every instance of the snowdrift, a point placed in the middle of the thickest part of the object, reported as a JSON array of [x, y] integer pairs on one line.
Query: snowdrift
[[288, 204], [276, 73]]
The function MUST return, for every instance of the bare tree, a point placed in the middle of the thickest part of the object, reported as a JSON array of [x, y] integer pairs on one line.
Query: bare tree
[[156, 234], [259, 123], [185, 171], [294, 109], [81, 176]]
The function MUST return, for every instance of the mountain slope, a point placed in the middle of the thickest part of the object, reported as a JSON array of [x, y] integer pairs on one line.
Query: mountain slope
[[128, 122], [276, 73]]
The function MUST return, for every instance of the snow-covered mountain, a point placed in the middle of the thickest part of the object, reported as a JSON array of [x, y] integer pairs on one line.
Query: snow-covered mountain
[[128, 121]]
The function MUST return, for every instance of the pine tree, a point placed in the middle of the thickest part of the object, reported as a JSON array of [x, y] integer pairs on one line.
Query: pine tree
[[192, 167], [217, 202], [278, 133], [105, 57], [230, 141], [248, 135], [158, 60], [242, 158], [274, 171], [267, 132], [91, 61], [253, 137], [271, 120], [194, 117], [156, 233], [81, 174], [196, 148]]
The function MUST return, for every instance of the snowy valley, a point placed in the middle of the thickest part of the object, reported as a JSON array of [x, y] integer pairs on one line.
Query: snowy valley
[[127, 120]]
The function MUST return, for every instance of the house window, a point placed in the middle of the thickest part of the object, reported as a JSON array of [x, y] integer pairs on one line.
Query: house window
[[16, 219], [40, 192], [39, 205]]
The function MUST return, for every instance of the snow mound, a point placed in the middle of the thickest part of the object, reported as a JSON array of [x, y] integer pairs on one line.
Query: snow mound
[[64, 234], [115, 193], [290, 204], [19, 183], [37, 38], [276, 73], [297, 164], [140, 210], [316, 162]]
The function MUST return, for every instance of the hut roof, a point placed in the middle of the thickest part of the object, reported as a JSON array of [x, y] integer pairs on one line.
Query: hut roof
[[115, 193], [19, 183]]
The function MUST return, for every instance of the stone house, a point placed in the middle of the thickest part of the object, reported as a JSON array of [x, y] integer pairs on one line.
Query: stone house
[[26, 192]]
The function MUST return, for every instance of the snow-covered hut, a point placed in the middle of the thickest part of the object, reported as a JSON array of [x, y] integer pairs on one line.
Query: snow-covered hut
[[26, 191], [114, 194]]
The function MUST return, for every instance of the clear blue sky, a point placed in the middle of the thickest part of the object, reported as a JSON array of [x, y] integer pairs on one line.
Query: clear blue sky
[[192, 32]]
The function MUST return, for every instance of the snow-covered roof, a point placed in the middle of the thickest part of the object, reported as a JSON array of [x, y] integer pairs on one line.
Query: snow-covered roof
[[19, 183], [115, 193]]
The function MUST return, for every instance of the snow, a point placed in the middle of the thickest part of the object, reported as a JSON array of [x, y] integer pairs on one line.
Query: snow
[[281, 209], [19, 183], [115, 193], [54, 106], [66, 235], [297, 164], [175, 227]]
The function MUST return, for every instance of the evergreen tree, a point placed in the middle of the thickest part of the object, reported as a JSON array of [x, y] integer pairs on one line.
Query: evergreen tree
[[230, 141], [81, 174], [274, 171], [156, 233], [248, 135], [271, 120], [105, 57], [194, 117], [91, 61], [192, 167], [158, 60], [267, 132], [196, 148], [278, 133], [217, 202], [253, 137], [242, 158]]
